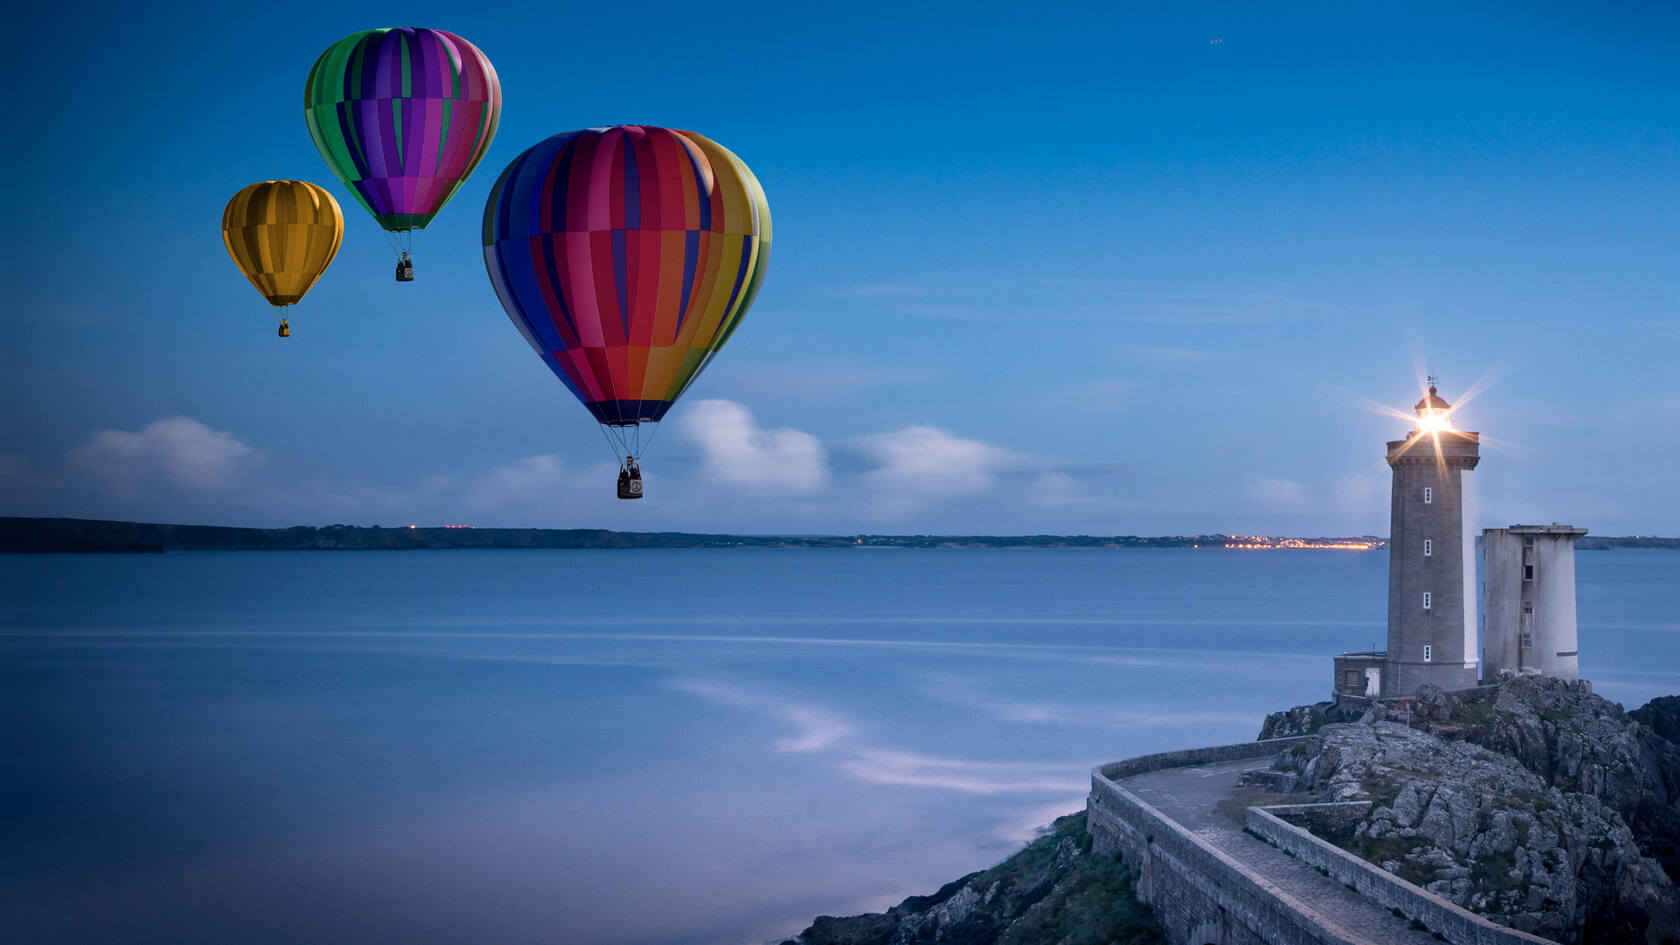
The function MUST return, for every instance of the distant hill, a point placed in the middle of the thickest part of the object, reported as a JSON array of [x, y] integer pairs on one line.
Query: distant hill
[[1607, 543], [74, 535]]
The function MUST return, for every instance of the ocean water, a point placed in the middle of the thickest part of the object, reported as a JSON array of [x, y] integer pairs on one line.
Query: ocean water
[[632, 746]]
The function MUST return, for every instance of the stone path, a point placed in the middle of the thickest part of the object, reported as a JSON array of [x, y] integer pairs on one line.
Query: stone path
[[1191, 796]]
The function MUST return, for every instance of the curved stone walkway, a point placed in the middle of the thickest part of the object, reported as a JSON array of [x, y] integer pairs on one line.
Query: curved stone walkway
[[1191, 796]]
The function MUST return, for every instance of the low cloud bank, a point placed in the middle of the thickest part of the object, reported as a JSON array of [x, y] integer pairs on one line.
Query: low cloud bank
[[737, 452], [723, 470], [175, 451]]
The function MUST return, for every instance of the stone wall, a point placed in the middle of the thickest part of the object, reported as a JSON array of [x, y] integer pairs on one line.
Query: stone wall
[[1446, 920], [1116, 770], [1200, 895], [1333, 818]]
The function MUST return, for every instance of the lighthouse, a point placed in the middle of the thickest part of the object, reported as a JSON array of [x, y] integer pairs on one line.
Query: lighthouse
[[1432, 555]]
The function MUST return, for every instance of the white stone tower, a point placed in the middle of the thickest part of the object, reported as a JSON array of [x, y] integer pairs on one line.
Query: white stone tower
[[1528, 601], [1432, 556]]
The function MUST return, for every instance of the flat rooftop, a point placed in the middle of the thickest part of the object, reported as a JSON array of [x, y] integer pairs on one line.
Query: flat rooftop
[[1552, 529]]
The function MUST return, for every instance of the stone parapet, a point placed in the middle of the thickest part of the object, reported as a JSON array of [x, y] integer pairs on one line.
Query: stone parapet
[[1201, 895], [1332, 817], [1116, 770], [1445, 919]]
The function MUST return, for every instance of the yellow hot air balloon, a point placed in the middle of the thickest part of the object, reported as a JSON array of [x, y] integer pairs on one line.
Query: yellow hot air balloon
[[282, 234]]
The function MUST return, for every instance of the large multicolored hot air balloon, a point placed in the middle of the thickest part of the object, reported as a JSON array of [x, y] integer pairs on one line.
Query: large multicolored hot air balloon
[[282, 234], [627, 256], [402, 116]]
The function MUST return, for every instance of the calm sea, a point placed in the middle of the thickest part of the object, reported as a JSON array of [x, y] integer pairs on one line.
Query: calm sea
[[632, 746]]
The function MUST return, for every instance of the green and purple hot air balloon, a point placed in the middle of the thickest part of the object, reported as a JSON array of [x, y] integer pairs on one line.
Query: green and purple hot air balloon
[[402, 116]]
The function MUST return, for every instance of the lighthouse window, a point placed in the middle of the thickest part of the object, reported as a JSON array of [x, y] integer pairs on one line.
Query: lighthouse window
[[1428, 652], [1427, 600], [1528, 641], [1528, 572], [1528, 541], [1428, 547], [1528, 607], [1428, 495]]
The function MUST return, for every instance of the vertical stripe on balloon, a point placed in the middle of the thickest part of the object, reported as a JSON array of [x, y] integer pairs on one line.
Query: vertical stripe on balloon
[[402, 117], [640, 250]]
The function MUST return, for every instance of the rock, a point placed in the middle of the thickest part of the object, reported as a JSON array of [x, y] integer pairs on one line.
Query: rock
[[1570, 738], [1409, 803], [1306, 719], [1055, 890], [1480, 829], [1583, 743], [1662, 716]]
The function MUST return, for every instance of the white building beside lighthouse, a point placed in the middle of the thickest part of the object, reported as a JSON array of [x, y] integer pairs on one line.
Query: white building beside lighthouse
[[1528, 601]]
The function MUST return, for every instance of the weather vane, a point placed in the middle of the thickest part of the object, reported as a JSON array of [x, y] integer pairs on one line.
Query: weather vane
[[1434, 381]]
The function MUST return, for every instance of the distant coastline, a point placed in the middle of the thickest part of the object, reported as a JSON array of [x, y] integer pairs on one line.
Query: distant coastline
[[74, 535]]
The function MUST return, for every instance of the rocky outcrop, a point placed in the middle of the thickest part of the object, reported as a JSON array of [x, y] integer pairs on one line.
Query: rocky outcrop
[[1660, 715], [1535, 802], [1476, 827], [1054, 891], [1308, 719], [1576, 741], [1583, 743]]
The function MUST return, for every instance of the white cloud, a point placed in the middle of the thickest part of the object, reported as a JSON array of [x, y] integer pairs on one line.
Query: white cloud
[[737, 475], [175, 451], [737, 452], [534, 479], [928, 460]]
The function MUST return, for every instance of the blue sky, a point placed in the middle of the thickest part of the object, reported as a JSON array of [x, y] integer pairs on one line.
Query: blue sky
[[1039, 268]]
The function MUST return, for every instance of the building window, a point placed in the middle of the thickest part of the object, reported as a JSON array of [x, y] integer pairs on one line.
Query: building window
[[1528, 608], [1528, 541], [1429, 498], [1428, 652], [1350, 681], [1428, 547], [1528, 641], [1528, 572], [1428, 599]]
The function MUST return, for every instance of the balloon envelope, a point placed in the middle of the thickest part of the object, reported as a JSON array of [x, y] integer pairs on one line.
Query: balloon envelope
[[282, 234], [626, 257], [402, 116]]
